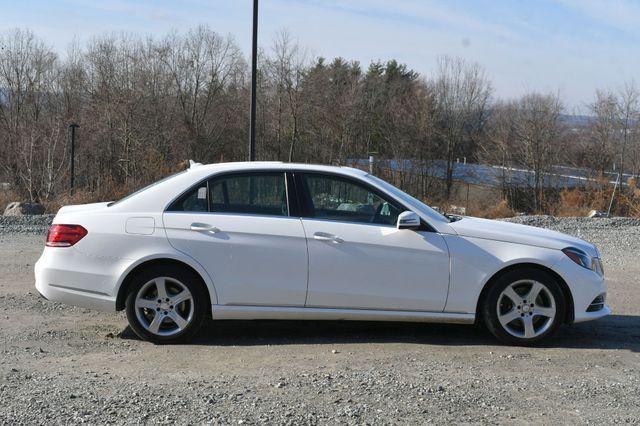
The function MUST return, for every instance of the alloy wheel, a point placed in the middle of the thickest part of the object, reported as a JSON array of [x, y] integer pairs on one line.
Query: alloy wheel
[[526, 309], [164, 306]]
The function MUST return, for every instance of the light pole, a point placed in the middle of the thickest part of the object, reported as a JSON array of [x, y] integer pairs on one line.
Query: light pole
[[254, 77], [72, 136], [372, 161]]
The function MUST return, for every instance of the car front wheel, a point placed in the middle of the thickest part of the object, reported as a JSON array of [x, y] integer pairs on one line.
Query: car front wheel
[[166, 304], [524, 306]]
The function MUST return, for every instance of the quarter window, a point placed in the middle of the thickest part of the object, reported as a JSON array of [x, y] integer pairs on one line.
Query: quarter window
[[193, 201], [333, 198]]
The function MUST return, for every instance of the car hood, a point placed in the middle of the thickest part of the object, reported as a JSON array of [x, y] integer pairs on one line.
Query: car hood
[[519, 234]]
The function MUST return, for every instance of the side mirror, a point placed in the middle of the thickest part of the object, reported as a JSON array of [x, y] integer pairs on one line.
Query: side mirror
[[408, 220]]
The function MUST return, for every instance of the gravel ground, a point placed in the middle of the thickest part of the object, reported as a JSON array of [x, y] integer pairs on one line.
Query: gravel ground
[[33, 225], [61, 364], [612, 236]]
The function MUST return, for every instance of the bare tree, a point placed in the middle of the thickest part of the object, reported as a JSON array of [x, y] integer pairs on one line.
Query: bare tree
[[628, 117], [287, 70], [31, 136], [202, 65], [462, 95], [146, 104], [603, 131], [539, 138], [499, 145]]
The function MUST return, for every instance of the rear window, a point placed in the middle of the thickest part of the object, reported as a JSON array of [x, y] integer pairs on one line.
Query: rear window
[[113, 203]]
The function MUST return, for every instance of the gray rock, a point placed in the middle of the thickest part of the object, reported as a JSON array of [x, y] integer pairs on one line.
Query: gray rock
[[458, 210], [17, 208], [596, 213]]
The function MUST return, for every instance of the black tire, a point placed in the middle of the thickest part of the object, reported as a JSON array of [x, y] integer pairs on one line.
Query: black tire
[[489, 308], [188, 279]]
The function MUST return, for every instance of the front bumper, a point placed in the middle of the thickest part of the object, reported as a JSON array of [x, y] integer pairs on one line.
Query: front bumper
[[589, 316], [69, 276], [585, 286]]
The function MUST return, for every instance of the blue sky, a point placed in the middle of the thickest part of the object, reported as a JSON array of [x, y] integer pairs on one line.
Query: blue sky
[[566, 46]]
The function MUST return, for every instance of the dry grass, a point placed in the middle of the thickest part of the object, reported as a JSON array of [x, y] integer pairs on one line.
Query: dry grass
[[109, 191], [496, 211], [576, 203], [579, 201]]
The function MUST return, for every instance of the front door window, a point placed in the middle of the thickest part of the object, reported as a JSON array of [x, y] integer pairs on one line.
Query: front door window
[[338, 199]]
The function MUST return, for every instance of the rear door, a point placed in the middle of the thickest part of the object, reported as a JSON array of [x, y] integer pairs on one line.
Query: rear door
[[239, 227], [357, 257]]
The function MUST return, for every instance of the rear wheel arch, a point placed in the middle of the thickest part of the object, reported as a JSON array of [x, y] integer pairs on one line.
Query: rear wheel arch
[[150, 264], [568, 297]]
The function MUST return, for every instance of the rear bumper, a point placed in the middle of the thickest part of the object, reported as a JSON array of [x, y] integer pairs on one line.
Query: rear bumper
[[69, 276]]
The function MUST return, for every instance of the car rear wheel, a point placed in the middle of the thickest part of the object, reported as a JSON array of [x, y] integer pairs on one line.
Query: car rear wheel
[[166, 304], [524, 306]]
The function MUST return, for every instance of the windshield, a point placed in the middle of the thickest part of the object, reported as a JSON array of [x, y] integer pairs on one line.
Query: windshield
[[406, 197]]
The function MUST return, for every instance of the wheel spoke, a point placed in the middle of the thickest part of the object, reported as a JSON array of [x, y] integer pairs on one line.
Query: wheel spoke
[[529, 331], [145, 303], [536, 287], [161, 286], [511, 294], [545, 312], [176, 318], [184, 295], [154, 327], [508, 317]]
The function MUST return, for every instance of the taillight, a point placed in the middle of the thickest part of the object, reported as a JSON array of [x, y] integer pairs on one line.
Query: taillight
[[64, 235]]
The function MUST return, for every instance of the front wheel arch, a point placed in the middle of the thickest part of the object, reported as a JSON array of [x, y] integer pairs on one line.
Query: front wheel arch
[[570, 312], [123, 291]]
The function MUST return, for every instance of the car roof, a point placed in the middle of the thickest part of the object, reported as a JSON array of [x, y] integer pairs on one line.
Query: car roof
[[273, 165]]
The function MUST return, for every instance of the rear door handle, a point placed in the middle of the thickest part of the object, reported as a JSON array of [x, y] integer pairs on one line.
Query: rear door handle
[[204, 227], [323, 236]]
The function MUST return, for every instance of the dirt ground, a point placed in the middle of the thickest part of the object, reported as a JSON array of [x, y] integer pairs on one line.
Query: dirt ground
[[61, 364]]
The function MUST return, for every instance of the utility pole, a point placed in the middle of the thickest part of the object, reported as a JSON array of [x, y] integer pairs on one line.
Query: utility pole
[[254, 78], [72, 136]]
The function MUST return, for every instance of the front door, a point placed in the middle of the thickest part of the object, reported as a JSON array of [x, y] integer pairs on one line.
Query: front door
[[357, 257], [238, 227]]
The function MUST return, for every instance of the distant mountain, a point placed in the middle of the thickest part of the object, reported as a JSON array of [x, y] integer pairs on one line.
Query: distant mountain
[[575, 121]]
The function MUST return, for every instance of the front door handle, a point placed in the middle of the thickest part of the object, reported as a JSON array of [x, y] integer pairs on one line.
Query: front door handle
[[204, 227], [323, 236]]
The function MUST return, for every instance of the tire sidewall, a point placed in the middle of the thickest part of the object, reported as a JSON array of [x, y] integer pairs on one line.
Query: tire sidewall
[[193, 284], [489, 308]]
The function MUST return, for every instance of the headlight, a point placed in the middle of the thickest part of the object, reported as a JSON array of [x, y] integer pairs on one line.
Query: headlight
[[584, 260], [596, 263]]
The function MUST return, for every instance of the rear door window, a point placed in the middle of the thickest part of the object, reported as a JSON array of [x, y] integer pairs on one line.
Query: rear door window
[[249, 193]]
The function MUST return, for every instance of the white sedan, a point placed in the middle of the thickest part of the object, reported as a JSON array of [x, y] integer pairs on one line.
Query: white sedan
[[294, 241]]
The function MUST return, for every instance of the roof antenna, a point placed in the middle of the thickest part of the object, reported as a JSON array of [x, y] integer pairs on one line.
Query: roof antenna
[[193, 164]]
